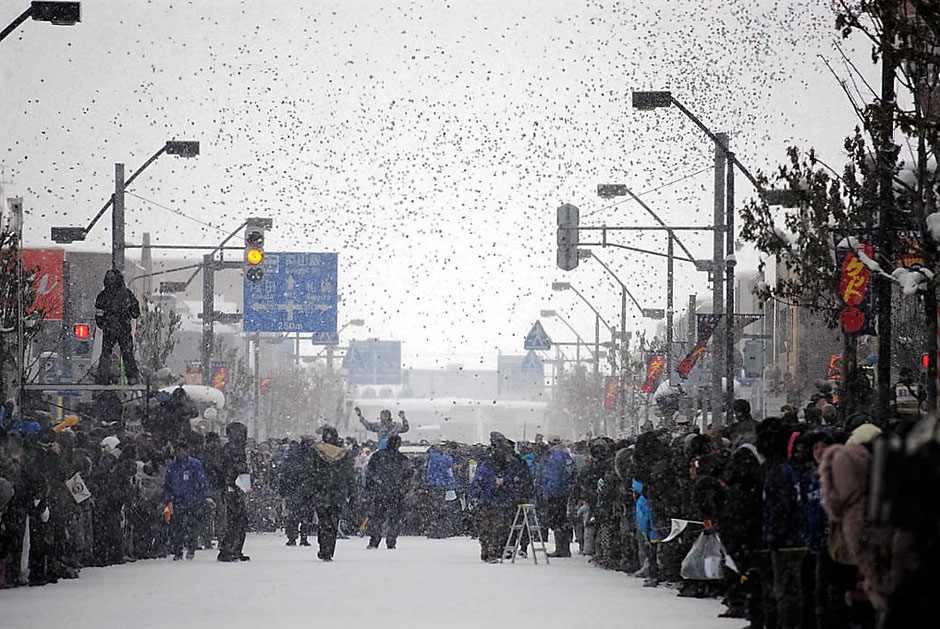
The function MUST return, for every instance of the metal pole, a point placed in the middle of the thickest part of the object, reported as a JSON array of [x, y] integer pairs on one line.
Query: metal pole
[[669, 312], [623, 358], [117, 220], [885, 150], [68, 320], [16, 209], [729, 292], [597, 344], [146, 261], [208, 306], [257, 383], [329, 359], [717, 279]]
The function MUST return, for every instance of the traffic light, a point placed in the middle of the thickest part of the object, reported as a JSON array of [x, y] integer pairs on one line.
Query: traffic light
[[568, 237], [254, 248], [753, 358], [82, 334]]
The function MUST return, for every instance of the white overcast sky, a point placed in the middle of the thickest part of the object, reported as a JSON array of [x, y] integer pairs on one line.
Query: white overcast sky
[[427, 142]]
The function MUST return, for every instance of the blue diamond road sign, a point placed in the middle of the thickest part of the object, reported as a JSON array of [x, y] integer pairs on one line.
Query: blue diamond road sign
[[297, 294]]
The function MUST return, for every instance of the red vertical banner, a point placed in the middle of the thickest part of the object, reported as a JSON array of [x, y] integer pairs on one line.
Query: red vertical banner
[[654, 369], [48, 281], [855, 290]]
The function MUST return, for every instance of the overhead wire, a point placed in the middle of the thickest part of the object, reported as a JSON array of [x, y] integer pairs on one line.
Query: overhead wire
[[651, 190], [174, 211]]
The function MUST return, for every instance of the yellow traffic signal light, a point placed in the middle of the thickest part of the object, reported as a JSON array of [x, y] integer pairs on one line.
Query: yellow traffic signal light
[[254, 256]]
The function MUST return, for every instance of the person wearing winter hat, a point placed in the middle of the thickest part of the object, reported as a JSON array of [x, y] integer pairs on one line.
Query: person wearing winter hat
[[186, 488], [501, 482], [234, 465], [863, 434]]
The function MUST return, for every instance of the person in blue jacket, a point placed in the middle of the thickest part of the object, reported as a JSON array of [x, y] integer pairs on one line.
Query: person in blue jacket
[[440, 481], [186, 488], [557, 473], [501, 483]]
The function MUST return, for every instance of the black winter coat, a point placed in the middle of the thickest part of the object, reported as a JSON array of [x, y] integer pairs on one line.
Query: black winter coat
[[387, 475], [331, 473], [115, 307]]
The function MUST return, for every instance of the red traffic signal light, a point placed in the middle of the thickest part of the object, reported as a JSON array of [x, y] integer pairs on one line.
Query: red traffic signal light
[[925, 360], [82, 331]]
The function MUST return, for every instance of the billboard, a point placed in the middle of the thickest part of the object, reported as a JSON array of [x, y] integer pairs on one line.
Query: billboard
[[48, 281]]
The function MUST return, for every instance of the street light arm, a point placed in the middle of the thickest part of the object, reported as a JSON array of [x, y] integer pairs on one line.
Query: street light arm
[[593, 309], [127, 183], [650, 211], [623, 286], [15, 23], [131, 179], [164, 272], [573, 331], [629, 248], [724, 148]]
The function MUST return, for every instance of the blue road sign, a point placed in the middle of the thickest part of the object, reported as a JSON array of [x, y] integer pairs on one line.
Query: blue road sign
[[532, 362], [297, 294], [373, 362], [537, 338]]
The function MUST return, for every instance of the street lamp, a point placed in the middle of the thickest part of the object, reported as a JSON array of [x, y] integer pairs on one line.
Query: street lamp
[[329, 349], [56, 13], [598, 319], [66, 235], [654, 100], [580, 342]]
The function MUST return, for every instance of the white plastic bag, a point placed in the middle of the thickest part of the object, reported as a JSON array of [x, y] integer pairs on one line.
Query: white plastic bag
[[707, 560]]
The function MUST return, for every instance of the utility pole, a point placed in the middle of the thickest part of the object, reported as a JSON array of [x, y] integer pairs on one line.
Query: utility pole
[[117, 220], [717, 260], [886, 157], [146, 261], [670, 372], [597, 344], [208, 309], [729, 296], [623, 360]]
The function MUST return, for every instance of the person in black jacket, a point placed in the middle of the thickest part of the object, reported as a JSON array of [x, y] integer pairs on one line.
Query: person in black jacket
[[233, 464], [115, 306], [330, 467], [387, 476]]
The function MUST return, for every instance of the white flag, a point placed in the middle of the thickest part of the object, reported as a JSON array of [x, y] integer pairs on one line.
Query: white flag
[[78, 488], [677, 527]]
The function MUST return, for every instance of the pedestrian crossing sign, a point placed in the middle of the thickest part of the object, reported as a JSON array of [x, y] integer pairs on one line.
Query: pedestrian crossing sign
[[537, 338]]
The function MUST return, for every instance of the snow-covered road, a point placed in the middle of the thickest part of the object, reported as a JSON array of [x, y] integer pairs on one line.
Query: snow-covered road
[[438, 584]]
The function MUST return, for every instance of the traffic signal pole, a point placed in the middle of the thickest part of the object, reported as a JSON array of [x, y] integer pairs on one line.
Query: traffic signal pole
[[208, 320], [117, 220]]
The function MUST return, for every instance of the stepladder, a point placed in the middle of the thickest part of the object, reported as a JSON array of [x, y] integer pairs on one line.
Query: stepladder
[[525, 526]]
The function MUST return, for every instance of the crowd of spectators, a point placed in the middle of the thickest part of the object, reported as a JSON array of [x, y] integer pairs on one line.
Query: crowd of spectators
[[819, 519]]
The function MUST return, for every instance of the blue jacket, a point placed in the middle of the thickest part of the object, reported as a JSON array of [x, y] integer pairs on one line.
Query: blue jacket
[[644, 515], [816, 518], [784, 509], [441, 470], [557, 474], [516, 488], [185, 483]]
